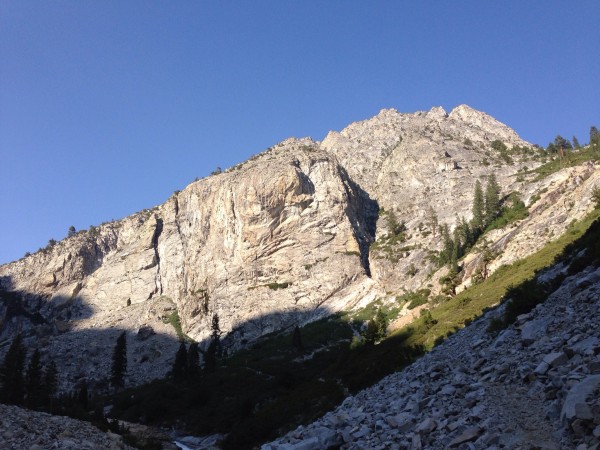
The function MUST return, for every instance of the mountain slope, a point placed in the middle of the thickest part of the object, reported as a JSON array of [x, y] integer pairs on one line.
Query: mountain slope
[[295, 233], [533, 385]]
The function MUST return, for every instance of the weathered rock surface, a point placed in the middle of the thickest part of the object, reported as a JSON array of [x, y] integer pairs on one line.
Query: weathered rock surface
[[486, 392], [23, 429]]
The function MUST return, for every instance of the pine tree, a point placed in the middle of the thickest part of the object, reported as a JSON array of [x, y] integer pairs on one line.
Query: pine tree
[[456, 249], [180, 364], [451, 281], [214, 348], [562, 143], [119, 362], [478, 208], [12, 373], [193, 359], [432, 220], [297, 339], [382, 324], [371, 332], [395, 227], [594, 135], [33, 384], [446, 253], [492, 200], [576, 142], [50, 384], [594, 139], [466, 234]]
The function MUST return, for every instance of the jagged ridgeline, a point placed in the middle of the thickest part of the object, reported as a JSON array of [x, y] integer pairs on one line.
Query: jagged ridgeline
[[374, 226]]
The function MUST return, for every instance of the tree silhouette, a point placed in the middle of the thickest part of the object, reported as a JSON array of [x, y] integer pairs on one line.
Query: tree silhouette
[[50, 383], [214, 348], [180, 365], [33, 383], [297, 339], [119, 362], [11, 373], [371, 332], [193, 359], [382, 324]]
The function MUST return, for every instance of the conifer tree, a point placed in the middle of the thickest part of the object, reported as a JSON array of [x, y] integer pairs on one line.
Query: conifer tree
[[456, 250], [33, 383], [180, 364], [446, 254], [492, 200], [432, 220], [119, 362], [297, 339], [466, 234], [594, 135], [382, 324], [12, 377], [478, 208], [214, 348], [371, 332], [193, 359], [50, 383]]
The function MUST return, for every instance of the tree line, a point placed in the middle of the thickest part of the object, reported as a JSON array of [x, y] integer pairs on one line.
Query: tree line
[[487, 207], [34, 386]]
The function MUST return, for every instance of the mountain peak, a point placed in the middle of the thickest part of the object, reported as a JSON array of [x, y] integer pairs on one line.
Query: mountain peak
[[437, 112]]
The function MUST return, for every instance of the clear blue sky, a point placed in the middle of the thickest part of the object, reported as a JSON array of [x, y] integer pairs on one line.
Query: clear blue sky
[[107, 107]]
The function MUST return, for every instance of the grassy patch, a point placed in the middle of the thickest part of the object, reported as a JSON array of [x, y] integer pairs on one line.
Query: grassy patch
[[514, 212], [571, 158], [415, 299], [175, 321]]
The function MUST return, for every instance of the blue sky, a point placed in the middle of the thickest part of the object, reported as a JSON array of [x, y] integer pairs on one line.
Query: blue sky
[[107, 107]]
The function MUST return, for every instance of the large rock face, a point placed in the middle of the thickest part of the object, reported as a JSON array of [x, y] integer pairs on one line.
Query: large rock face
[[278, 240]]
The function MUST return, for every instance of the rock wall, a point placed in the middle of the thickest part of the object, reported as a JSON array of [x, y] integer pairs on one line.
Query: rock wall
[[278, 240]]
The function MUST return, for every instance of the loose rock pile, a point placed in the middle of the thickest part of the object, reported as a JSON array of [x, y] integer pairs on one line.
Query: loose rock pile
[[535, 385], [22, 429]]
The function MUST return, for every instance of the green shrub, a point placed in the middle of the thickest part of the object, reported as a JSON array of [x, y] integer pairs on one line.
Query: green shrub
[[523, 298], [513, 211], [596, 196], [415, 298]]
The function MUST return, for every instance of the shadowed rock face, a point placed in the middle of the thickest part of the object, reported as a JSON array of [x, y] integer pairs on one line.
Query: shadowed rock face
[[284, 237]]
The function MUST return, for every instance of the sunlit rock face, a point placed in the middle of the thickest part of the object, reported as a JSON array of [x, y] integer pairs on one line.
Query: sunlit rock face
[[292, 234]]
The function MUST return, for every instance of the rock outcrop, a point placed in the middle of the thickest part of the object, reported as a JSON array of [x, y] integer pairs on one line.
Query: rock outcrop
[[20, 429]]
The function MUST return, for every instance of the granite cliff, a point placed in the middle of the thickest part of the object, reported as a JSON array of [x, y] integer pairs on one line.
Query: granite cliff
[[296, 232]]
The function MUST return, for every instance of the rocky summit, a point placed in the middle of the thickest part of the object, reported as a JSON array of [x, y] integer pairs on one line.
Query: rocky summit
[[370, 215]]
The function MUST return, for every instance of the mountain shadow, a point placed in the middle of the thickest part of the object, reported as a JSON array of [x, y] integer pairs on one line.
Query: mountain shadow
[[292, 375]]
